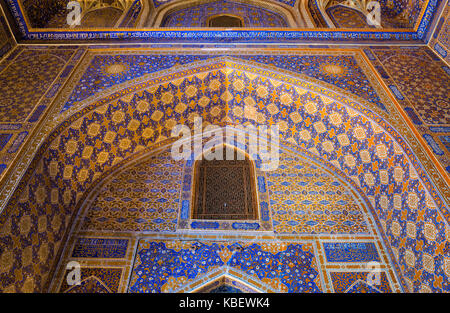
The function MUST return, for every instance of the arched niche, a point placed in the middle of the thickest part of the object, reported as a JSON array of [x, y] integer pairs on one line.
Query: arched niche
[[224, 185]]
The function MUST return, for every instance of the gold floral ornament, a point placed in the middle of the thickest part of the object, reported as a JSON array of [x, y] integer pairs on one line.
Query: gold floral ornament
[[333, 70]]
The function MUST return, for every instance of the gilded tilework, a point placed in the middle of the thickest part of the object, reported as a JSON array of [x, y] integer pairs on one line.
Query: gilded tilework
[[7, 43], [316, 14], [105, 262], [31, 88], [158, 3], [401, 13], [347, 18], [421, 79], [356, 282], [99, 76], [143, 198], [197, 15], [351, 252], [30, 238], [306, 199], [132, 15], [342, 71], [40, 13], [416, 16], [167, 266], [100, 248], [21, 89], [95, 280], [440, 42]]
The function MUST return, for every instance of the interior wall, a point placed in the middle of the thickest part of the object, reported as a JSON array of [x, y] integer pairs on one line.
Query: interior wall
[[344, 17]]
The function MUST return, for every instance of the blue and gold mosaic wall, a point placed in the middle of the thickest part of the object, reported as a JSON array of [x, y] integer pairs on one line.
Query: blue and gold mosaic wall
[[169, 266], [198, 15], [419, 81], [30, 80], [7, 43], [145, 198], [322, 121], [345, 17]]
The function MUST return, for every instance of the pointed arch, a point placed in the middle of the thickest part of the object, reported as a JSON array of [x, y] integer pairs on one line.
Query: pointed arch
[[107, 132]]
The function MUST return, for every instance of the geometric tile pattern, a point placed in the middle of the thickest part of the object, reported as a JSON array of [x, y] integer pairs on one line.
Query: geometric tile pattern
[[342, 71], [4, 139], [100, 248], [440, 41], [166, 266], [356, 282], [97, 78], [6, 41], [26, 80], [411, 12], [346, 17], [132, 15], [31, 87], [197, 16], [383, 170], [420, 79], [400, 14], [142, 198], [158, 3], [40, 13], [305, 199]]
